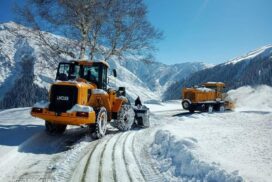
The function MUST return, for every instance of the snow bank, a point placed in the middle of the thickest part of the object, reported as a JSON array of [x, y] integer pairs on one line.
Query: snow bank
[[215, 82], [175, 158], [252, 98], [80, 108], [42, 104]]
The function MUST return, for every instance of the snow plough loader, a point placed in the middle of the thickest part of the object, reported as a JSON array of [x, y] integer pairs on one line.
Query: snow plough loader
[[209, 97], [80, 96]]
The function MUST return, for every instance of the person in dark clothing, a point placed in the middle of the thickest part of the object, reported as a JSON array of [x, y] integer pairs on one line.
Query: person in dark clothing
[[138, 102]]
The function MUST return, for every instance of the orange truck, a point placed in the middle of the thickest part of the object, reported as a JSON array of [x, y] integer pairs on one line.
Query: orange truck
[[208, 97]]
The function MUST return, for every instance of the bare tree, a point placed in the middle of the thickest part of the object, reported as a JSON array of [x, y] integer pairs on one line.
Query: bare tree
[[100, 29]]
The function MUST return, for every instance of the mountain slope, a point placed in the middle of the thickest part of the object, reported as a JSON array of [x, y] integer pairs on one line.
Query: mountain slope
[[255, 68], [141, 78], [154, 75]]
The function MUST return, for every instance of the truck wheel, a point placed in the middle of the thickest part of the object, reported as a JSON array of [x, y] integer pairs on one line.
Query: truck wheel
[[125, 118], [210, 109], [101, 123], [54, 129], [222, 108], [185, 104]]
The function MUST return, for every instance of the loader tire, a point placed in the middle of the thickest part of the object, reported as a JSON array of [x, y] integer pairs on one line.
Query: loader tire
[[222, 108], [125, 118], [54, 129], [100, 128]]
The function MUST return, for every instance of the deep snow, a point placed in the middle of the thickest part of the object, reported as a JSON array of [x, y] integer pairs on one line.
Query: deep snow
[[179, 146], [220, 146]]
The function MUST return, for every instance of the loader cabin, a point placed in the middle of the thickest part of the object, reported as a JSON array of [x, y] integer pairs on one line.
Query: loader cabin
[[93, 72]]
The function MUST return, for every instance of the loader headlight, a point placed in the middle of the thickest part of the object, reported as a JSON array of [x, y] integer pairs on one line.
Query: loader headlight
[[82, 114], [37, 110]]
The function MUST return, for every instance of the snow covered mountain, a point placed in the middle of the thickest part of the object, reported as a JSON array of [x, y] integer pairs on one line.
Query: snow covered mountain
[[255, 68], [154, 76], [21, 85]]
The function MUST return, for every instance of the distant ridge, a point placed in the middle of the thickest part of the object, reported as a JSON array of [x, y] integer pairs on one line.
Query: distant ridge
[[255, 68]]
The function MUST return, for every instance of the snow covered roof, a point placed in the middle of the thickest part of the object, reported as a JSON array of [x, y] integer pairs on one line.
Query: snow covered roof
[[214, 83], [204, 89], [88, 62]]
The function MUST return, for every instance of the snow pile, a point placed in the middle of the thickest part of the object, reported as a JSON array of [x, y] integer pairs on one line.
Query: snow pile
[[42, 104], [204, 89], [215, 83], [80, 108], [252, 98], [175, 158]]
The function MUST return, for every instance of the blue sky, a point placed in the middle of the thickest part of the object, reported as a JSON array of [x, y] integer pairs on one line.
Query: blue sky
[[212, 31]]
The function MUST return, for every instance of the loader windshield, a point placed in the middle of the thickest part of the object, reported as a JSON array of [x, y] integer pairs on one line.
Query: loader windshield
[[91, 73], [67, 71]]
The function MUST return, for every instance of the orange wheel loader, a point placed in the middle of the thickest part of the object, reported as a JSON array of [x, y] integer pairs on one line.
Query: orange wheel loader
[[80, 97]]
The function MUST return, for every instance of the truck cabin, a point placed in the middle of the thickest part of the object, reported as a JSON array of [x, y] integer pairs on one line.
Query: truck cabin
[[93, 72], [217, 86]]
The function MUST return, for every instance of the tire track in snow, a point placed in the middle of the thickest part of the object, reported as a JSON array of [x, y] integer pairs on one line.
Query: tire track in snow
[[136, 159], [118, 158], [114, 158], [97, 158], [146, 164], [107, 152], [101, 162], [125, 158], [87, 163], [151, 174]]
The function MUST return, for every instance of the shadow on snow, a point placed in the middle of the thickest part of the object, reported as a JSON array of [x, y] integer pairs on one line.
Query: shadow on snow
[[33, 138]]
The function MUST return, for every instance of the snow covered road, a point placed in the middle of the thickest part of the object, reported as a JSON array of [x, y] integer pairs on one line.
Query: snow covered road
[[179, 146], [117, 158], [29, 154]]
